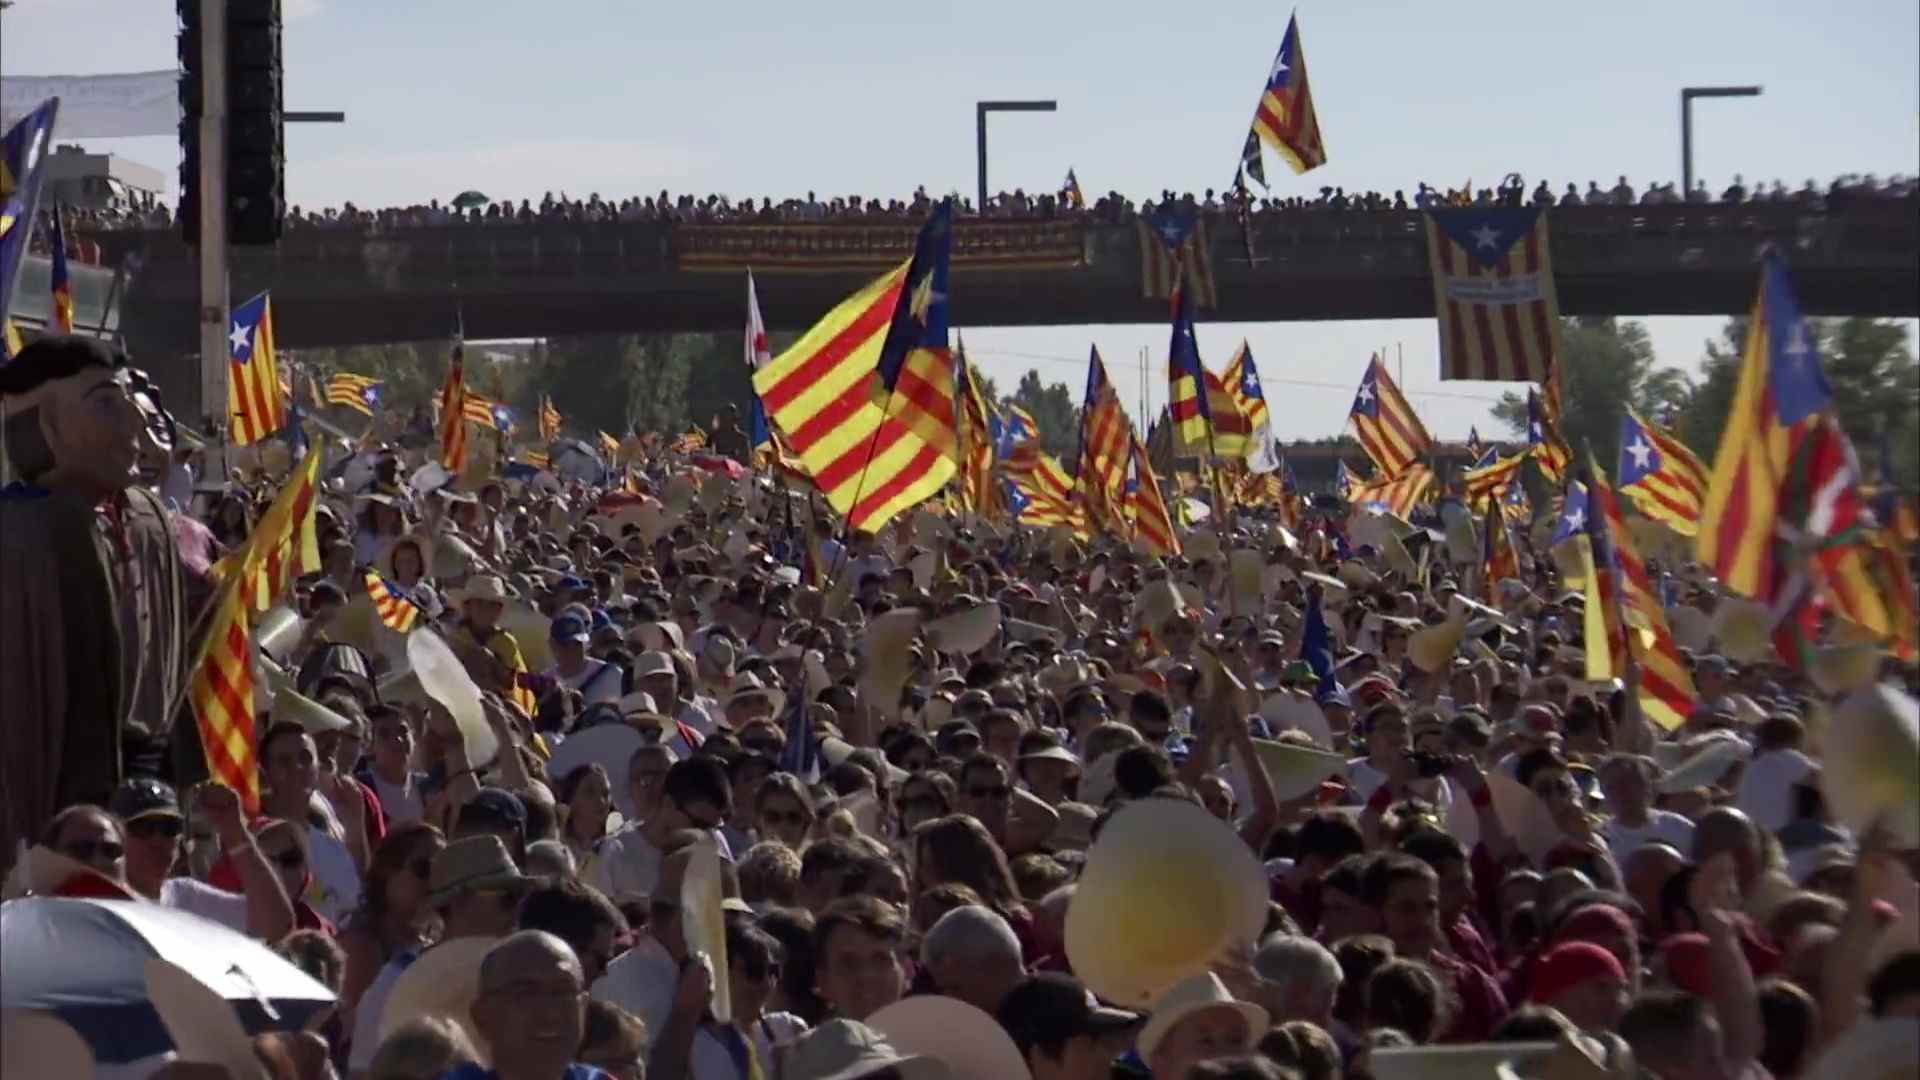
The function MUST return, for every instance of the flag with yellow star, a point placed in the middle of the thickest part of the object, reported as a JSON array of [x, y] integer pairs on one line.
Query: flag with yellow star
[[914, 380], [23, 154]]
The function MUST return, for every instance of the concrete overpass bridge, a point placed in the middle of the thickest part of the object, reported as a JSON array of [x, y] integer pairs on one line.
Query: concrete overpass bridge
[[347, 286]]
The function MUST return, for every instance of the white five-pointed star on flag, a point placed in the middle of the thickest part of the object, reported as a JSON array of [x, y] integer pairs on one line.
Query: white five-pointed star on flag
[[240, 338], [1486, 236], [1576, 519], [1642, 454], [1366, 393]]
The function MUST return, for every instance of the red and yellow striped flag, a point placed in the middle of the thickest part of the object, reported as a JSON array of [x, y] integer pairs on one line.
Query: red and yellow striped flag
[[221, 693], [1662, 477], [869, 466], [1397, 495], [1153, 530], [61, 283], [1046, 486], [1206, 420], [549, 420], [1784, 494], [1545, 435], [977, 491], [913, 379], [1499, 561], [1667, 694], [1386, 425], [1105, 443], [284, 545], [453, 412], [256, 404], [395, 610], [1485, 485]]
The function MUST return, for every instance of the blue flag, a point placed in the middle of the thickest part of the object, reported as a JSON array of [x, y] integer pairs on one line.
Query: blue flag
[[23, 157], [800, 756], [1316, 645]]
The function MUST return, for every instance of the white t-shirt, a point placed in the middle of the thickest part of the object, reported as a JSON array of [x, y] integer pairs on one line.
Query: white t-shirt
[[199, 898], [402, 802], [335, 887], [1662, 827], [598, 682], [642, 981], [627, 862], [1365, 780], [373, 1002]]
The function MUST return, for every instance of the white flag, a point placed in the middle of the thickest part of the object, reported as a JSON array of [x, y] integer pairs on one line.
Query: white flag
[[757, 352]]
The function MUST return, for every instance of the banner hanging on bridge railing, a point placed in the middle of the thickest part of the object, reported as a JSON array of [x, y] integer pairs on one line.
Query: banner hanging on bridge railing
[[1020, 245]]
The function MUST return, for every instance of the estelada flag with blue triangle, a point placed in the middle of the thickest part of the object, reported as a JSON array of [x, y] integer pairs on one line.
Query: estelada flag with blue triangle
[[913, 381], [23, 157], [1493, 294]]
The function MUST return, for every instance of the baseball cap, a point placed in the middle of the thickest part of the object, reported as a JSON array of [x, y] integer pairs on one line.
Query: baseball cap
[[493, 807], [1052, 1008], [569, 628], [1571, 963], [144, 797]]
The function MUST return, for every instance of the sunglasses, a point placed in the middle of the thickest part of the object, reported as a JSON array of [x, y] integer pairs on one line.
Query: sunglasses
[[781, 817], [168, 828], [290, 859], [1000, 792], [89, 850]]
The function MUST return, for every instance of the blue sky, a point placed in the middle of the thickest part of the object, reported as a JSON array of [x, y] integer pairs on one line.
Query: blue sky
[[749, 98]]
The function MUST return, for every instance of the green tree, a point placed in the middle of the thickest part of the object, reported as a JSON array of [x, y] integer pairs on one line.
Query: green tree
[[1605, 366], [1876, 390], [1055, 410]]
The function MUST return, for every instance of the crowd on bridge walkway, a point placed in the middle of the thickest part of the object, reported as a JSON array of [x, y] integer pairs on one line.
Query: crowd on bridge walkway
[[640, 765], [1111, 208]]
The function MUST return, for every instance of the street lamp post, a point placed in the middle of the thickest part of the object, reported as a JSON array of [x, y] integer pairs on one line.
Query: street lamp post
[[1687, 94], [980, 124]]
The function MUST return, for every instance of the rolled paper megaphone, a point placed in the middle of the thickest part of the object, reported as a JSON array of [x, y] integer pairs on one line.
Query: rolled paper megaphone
[[205, 1028], [443, 982], [1703, 768], [1202, 544], [1288, 709], [922, 567], [1872, 766], [41, 1044], [967, 1041], [888, 660], [1297, 770], [1842, 669], [279, 630], [445, 680], [1743, 630], [1355, 575], [1246, 569], [1166, 889], [530, 631], [291, 706], [968, 631], [703, 921], [1690, 627]]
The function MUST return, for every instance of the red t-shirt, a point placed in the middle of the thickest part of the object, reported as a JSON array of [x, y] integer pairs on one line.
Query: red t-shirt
[[1477, 996]]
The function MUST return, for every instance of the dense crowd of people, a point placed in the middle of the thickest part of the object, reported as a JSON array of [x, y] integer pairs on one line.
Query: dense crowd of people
[[749, 799], [1111, 207]]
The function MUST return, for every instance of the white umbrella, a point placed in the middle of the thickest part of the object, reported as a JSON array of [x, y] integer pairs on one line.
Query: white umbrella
[[85, 962]]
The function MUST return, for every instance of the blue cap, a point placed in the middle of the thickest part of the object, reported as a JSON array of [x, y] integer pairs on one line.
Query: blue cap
[[601, 620], [570, 582], [569, 628]]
